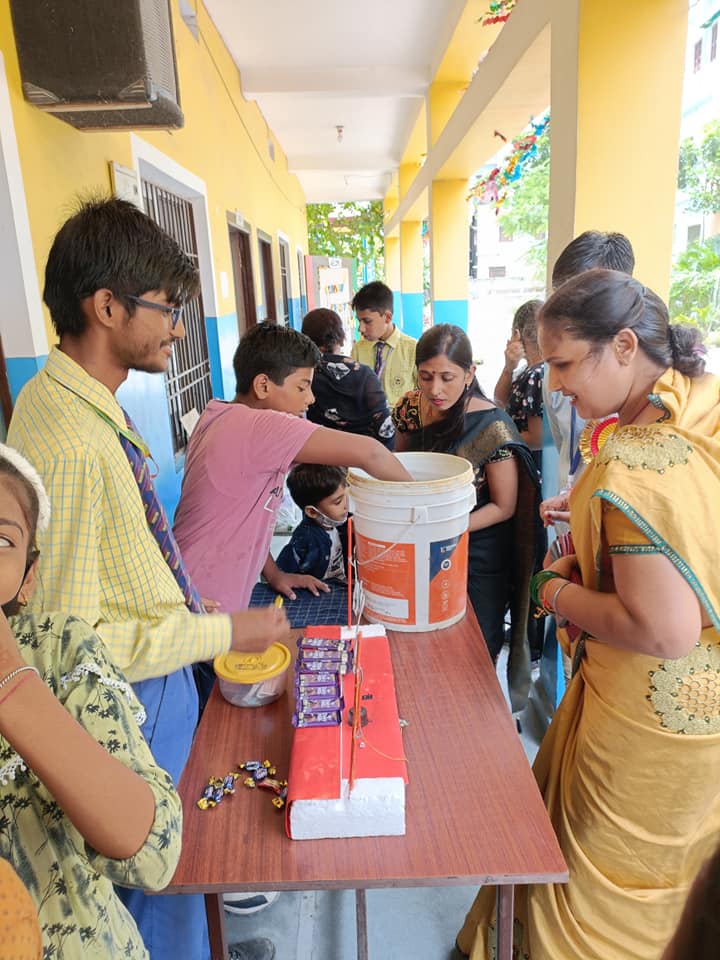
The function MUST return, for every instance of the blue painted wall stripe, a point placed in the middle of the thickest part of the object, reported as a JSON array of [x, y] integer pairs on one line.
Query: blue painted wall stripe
[[412, 309], [451, 311], [228, 337], [213, 342], [20, 370], [144, 397], [296, 313]]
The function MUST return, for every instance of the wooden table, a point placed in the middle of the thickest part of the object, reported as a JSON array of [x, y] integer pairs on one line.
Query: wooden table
[[473, 811]]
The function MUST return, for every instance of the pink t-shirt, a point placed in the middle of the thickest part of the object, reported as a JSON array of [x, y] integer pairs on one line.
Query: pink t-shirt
[[236, 462]]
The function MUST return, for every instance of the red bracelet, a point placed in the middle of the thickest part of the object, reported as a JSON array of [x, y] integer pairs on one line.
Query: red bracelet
[[15, 688]]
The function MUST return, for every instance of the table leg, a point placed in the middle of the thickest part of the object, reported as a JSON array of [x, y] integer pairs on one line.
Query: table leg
[[504, 921], [361, 925], [216, 926]]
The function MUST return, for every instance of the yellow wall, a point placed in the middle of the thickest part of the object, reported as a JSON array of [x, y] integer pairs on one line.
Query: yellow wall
[[449, 240], [224, 142], [636, 156]]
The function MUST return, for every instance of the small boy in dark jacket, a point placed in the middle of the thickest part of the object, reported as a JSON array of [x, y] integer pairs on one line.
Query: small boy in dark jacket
[[318, 546]]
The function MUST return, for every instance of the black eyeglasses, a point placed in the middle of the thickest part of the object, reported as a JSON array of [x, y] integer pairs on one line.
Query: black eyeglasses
[[175, 313]]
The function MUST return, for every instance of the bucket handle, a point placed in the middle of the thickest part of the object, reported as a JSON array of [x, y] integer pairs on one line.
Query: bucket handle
[[419, 515]]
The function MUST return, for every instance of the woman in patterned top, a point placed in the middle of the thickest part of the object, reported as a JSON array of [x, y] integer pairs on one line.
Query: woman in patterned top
[[523, 401], [522, 397], [83, 803], [348, 395], [450, 413], [630, 765]]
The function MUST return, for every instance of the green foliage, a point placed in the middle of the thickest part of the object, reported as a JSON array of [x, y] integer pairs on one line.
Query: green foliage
[[699, 170], [525, 212], [349, 230], [695, 288]]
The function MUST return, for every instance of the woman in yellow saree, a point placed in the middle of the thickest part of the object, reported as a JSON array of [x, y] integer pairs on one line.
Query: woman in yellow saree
[[630, 765]]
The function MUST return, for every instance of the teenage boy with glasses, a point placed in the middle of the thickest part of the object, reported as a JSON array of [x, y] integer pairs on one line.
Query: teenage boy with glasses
[[115, 284]]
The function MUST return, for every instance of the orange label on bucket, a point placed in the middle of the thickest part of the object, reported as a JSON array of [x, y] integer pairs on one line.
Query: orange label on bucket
[[447, 595], [387, 571]]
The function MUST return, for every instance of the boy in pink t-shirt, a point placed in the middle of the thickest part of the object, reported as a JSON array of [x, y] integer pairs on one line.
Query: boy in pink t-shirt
[[236, 463]]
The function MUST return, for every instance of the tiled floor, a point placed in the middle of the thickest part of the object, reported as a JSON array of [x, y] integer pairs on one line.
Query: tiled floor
[[419, 923], [410, 924]]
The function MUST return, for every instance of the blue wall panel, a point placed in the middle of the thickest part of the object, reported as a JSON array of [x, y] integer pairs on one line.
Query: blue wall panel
[[451, 311], [412, 311], [213, 342], [143, 396], [296, 312], [20, 370], [224, 333]]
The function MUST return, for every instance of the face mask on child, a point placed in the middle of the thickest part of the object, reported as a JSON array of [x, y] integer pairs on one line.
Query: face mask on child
[[322, 519]]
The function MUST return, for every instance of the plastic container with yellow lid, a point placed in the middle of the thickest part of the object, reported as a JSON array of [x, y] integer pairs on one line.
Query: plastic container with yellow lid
[[252, 679]]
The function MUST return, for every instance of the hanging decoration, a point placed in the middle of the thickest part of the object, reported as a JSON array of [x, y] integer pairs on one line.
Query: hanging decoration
[[493, 187], [499, 11]]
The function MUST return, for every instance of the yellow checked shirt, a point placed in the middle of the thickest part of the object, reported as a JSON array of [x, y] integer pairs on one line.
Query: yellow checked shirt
[[398, 375], [99, 559]]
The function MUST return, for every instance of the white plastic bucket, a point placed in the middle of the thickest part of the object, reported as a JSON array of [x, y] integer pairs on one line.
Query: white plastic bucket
[[412, 541]]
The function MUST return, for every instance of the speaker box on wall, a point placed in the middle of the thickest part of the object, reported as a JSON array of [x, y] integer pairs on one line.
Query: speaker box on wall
[[99, 64]]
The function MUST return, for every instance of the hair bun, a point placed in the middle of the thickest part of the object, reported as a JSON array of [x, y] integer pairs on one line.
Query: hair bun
[[688, 349]]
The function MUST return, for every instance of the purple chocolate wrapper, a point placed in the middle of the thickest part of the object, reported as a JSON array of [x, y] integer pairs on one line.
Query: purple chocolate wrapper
[[305, 674], [309, 689], [323, 643], [321, 667], [316, 704], [323, 719], [332, 656]]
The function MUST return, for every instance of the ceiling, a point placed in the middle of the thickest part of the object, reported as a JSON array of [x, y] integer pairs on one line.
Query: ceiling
[[318, 65]]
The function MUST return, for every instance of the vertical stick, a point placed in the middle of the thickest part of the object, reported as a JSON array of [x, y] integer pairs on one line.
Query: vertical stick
[[361, 925], [504, 921], [357, 708], [349, 569], [216, 925]]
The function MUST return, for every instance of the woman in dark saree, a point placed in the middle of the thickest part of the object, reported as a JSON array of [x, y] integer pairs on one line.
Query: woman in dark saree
[[449, 413]]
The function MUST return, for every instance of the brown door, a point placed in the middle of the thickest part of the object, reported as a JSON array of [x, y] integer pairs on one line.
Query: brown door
[[268, 279], [242, 274], [6, 404]]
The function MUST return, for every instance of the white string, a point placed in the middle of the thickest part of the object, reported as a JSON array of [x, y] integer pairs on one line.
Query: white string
[[386, 551], [358, 605]]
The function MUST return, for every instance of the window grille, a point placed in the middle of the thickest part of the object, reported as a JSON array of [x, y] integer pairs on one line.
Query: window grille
[[697, 56], [285, 280], [187, 379]]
